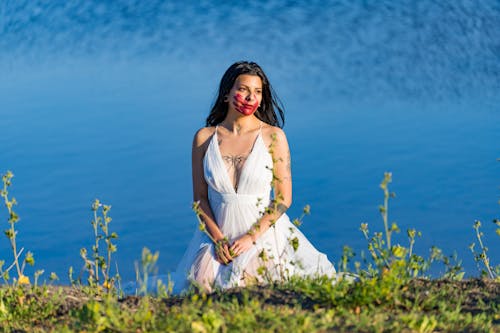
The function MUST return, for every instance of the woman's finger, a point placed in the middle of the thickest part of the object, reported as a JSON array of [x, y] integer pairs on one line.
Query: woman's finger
[[227, 252], [223, 260], [228, 255], [220, 255], [235, 246]]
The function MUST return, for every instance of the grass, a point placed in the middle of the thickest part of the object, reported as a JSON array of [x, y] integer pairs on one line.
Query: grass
[[296, 306], [392, 292]]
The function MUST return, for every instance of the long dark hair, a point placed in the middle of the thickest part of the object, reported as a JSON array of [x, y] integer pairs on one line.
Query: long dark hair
[[269, 106]]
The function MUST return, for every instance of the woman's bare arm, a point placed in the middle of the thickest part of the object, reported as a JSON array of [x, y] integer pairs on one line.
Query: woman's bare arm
[[282, 181]]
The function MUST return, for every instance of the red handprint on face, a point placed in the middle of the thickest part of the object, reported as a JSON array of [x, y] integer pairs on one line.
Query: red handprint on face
[[243, 107]]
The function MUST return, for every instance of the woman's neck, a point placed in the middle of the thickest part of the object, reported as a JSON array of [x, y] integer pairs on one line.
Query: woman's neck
[[240, 124]]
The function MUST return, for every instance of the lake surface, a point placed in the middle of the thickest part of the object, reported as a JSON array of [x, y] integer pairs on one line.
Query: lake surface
[[101, 100]]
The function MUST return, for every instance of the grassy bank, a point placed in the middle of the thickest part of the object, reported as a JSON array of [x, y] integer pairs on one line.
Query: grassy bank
[[374, 305], [392, 291]]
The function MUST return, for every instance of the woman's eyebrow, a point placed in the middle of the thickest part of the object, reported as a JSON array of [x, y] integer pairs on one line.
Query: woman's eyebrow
[[247, 86]]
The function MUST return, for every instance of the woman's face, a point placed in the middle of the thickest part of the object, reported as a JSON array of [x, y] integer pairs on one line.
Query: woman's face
[[246, 94]]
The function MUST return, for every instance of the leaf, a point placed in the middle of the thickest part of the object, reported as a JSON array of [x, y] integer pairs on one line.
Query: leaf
[[9, 233], [29, 259], [295, 243]]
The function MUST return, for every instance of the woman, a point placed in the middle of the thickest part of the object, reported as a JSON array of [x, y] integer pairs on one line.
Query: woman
[[237, 161]]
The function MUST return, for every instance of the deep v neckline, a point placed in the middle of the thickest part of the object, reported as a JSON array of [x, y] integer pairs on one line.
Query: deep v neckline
[[243, 168]]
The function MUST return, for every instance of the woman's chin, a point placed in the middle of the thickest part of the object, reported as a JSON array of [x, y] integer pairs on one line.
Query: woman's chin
[[246, 113]]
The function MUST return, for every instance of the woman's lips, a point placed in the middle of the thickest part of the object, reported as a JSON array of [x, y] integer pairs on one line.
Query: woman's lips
[[243, 107]]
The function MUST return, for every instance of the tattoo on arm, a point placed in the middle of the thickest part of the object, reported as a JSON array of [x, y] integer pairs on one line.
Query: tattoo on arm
[[281, 208], [276, 207], [289, 162], [288, 167]]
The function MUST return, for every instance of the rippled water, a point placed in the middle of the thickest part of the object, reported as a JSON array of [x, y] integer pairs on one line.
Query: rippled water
[[101, 99]]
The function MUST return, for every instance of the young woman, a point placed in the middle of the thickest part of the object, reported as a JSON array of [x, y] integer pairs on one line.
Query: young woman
[[238, 161]]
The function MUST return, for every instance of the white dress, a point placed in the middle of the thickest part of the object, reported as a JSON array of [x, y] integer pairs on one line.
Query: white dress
[[272, 257]]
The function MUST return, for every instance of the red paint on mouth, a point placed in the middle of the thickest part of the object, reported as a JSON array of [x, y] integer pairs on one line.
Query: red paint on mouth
[[241, 105]]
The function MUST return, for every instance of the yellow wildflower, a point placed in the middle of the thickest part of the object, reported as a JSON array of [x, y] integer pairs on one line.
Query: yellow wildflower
[[398, 251], [23, 279]]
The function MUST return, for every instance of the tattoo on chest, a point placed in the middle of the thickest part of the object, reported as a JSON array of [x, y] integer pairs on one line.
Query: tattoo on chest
[[234, 160], [234, 164]]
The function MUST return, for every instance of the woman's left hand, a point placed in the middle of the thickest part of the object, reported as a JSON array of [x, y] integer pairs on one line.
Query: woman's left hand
[[241, 245]]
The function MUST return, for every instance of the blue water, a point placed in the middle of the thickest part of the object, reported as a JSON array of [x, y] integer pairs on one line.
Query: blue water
[[101, 100]]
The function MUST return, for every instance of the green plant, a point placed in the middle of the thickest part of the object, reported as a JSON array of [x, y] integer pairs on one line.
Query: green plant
[[11, 234], [145, 270], [453, 266], [99, 265], [347, 255], [384, 254], [201, 223], [384, 209], [482, 255]]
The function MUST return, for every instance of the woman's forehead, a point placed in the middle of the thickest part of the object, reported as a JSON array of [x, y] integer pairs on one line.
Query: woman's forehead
[[249, 80]]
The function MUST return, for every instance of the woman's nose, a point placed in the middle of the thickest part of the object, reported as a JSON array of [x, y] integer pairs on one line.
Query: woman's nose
[[249, 97]]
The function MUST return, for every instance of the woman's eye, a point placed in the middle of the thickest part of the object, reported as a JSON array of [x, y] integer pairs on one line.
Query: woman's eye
[[241, 89]]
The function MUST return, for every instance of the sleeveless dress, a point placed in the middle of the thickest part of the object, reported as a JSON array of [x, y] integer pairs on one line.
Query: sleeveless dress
[[274, 256]]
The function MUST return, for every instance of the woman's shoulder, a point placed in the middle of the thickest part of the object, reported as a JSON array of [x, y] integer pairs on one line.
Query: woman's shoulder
[[273, 135], [203, 135], [271, 131]]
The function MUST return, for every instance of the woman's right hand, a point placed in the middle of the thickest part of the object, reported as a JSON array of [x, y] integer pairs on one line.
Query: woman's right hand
[[222, 252]]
